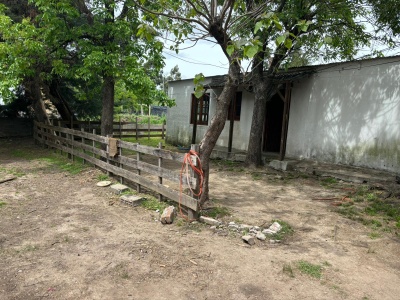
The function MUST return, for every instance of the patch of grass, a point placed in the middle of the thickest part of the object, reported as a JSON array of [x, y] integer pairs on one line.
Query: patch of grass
[[328, 182], [2, 203], [284, 233], [121, 271], [256, 176], [152, 142], [28, 248], [310, 269], [103, 177], [22, 154], [12, 171], [288, 270], [64, 164], [152, 203], [374, 235], [216, 212]]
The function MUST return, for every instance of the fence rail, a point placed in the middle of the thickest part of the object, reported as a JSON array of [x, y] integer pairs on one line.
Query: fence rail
[[128, 164], [120, 129]]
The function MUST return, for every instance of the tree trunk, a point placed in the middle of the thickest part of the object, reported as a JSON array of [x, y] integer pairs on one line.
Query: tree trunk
[[34, 94], [263, 91], [217, 124], [254, 150], [107, 113], [58, 101], [107, 93]]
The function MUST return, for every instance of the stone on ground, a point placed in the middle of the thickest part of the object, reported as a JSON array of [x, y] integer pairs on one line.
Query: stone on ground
[[209, 221], [168, 215], [131, 200], [261, 236], [119, 188], [249, 239]]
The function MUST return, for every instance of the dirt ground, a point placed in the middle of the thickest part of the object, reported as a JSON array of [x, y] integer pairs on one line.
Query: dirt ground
[[62, 237]]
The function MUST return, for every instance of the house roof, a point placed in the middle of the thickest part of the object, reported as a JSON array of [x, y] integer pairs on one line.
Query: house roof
[[291, 74], [280, 77]]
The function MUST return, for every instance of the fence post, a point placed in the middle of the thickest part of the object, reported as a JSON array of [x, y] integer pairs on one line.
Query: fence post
[[163, 130], [107, 151], [160, 179], [120, 165], [193, 215], [138, 169], [83, 143], [72, 146], [136, 127], [120, 128], [148, 128], [94, 143]]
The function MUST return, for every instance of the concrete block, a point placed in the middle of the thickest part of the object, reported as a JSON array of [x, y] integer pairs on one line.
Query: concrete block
[[119, 188], [168, 215], [131, 200], [283, 165]]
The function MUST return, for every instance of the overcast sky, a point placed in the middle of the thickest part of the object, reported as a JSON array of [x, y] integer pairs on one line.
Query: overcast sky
[[204, 57]]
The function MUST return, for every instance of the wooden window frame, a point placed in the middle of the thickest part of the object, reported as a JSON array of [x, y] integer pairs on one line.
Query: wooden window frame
[[203, 107], [237, 106]]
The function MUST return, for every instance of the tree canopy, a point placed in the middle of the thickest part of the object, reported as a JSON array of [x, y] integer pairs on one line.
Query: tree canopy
[[88, 46]]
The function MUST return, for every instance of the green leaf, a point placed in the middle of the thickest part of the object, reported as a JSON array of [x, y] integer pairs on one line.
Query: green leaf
[[230, 49], [280, 39], [250, 51], [277, 24], [258, 26], [288, 43], [328, 40], [199, 91]]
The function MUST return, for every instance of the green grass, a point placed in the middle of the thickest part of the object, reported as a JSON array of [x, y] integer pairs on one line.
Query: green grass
[[310, 269], [152, 203], [328, 182], [216, 212], [374, 235], [12, 171], [284, 233], [2, 203], [103, 177], [152, 142], [288, 270], [256, 176], [64, 164], [372, 210]]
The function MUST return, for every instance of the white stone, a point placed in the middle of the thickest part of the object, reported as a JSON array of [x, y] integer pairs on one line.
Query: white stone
[[261, 236], [249, 239], [209, 221]]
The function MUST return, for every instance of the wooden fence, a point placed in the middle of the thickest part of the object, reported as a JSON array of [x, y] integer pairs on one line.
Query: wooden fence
[[120, 129], [132, 162]]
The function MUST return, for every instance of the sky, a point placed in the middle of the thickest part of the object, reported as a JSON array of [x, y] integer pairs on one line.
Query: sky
[[205, 57]]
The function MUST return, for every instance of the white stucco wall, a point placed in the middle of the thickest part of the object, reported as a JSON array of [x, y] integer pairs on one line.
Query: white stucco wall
[[348, 113], [179, 129]]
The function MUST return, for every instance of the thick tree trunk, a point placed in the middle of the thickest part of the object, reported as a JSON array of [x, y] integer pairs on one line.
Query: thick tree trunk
[[59, 102], [107, 113], [34, 94], [263, 92], [254, 150], [216, 126]]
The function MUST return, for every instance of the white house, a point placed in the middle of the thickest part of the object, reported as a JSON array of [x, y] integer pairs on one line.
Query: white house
[[347, 113]]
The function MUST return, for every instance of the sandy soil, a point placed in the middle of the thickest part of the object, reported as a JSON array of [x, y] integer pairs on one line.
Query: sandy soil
[[62, 237]]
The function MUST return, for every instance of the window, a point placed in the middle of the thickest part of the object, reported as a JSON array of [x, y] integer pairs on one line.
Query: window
[[237, 107], [200, 110]]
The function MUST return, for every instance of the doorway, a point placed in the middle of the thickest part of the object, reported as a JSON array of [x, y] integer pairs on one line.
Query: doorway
[[273, 124]]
